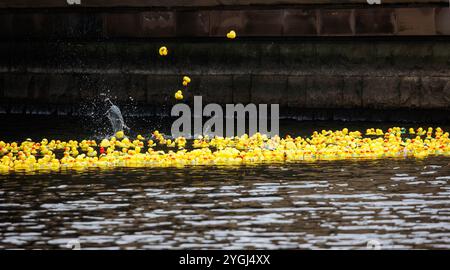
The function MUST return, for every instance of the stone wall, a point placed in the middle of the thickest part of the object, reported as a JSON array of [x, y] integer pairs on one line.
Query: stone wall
[[248, 22], [299, 75], [319, 61]]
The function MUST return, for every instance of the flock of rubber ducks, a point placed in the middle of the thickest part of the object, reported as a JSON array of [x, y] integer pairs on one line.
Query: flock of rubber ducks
[[158, 150]]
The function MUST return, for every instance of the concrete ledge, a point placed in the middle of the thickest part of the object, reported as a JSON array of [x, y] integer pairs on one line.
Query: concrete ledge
[[214, 23]]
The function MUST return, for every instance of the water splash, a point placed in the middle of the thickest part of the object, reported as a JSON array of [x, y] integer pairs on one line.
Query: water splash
[[115, 117]]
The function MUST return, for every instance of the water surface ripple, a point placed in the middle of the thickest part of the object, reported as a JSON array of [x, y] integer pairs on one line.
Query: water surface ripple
[[340, 204]]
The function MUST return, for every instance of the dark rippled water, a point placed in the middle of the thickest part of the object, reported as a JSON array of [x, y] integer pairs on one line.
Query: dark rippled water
[[389, 203], [345, 204]]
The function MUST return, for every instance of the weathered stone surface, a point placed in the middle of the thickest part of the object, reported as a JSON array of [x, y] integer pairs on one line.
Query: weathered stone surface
[[270, 56], [298, 54], [241, 89], [300, 22], [62, 90], [138, 88], [250, 21], [442, 17], [352, 92], [336, 22], [161, 89], [435, 92], [218, 89], [374, 21], [123, 25], [268, 89], [192, 23], [89, 85], [116, 86], [381, 92], [29, 25], [6, 25], [2, 86], [415, 21], [38, 88], [410, 88], [263, 23], [295, 94], [323, 91], [159, 24], [222, 21], [74, 25]]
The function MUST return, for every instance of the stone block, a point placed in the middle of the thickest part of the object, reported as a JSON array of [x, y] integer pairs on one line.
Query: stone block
[[435, 92], [159, 24], [442, 19], [410, 92], [38, 88], [300, 22], [6, 28], [123, 25], [222, 21], [415, 21], [268, 89], [88, 85], [161, 89], [374, 21], [192, 23], [62, 89], [263, 23], [29, 25], [5, 55], [218, 89], [323, 91], [241, 89], [336, 22], [138, 88], [269, 57], [352, 92], [75, 25], [298, 54], [295, 94], [381, 92], [2, 85], [116, 86]]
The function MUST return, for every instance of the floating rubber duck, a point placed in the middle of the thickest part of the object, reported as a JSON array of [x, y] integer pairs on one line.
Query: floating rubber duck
[[163, 51], [231, 34], [120, 134], [256, 149]]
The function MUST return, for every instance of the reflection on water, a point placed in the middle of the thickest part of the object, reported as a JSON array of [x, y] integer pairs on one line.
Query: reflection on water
[[339, 204]]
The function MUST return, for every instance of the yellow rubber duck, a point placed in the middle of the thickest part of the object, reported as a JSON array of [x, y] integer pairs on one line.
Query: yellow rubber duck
[[120, 134], [186, 80], [179, 95], [231, 34], [163, 51], [249, 150]]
